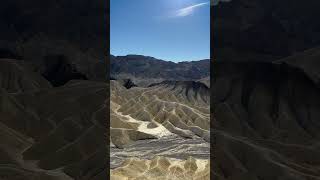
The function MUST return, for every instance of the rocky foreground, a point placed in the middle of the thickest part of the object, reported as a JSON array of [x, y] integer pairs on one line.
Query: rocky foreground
[[161, 168]]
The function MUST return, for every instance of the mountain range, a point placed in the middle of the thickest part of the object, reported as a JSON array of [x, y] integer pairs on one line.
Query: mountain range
[[144, 70]]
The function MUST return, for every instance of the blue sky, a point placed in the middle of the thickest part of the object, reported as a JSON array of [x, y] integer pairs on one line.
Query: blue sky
[[174, 30]]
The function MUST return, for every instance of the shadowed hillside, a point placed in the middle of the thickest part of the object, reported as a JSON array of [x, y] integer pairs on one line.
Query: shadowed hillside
[[266, 120], [51, 133], [265, 90], [53, 89]]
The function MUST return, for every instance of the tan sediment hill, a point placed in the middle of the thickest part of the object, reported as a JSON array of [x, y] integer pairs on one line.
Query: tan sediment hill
[[161, 168], [51, 133], [160, 131], [180, 108]]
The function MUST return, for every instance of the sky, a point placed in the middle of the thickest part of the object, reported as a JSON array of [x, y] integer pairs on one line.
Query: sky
[[173, 30]]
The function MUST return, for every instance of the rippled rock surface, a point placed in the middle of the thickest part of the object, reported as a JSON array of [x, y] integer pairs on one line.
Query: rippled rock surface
[[168, 121], [161, 168], [173, 146], [52, 133]]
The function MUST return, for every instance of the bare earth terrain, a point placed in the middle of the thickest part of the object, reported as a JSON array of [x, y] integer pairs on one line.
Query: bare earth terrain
[[160, 131], [53, 133]]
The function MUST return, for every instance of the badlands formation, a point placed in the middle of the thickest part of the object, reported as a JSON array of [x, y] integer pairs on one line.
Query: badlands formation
[[160, 131], [52, 133], [266, 119]]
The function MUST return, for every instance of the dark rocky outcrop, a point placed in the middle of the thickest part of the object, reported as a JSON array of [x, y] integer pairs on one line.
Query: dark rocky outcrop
[[128, 83], [58, 70]]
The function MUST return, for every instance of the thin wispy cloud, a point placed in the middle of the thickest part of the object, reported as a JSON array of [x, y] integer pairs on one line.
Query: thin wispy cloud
[[189, 10]]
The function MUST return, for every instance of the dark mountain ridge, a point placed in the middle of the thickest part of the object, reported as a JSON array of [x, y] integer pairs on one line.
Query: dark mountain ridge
[[145, 67]]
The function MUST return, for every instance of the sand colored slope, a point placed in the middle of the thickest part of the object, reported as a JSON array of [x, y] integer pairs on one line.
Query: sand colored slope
[[160, 131], [163, 109], [161, 168]]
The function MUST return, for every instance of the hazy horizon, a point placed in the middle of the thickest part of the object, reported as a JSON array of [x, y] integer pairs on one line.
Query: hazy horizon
[[160, 58], [168, 30]]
